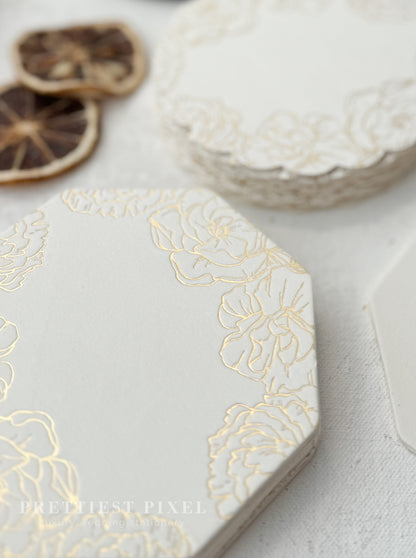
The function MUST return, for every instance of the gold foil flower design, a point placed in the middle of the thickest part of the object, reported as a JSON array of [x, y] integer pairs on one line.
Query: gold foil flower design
[[22, 250], [253, 443], [387, 113], [309, 144], [271, 328], [209, 242], [209, 121], [32, 471], [9, 336], [115, 203]]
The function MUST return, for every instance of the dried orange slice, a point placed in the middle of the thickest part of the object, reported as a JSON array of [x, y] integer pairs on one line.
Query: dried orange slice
[[83, 60], [41, 136]]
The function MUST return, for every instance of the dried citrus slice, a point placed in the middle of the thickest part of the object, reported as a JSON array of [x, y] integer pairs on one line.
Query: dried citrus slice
[[41, 136], [83, 60]]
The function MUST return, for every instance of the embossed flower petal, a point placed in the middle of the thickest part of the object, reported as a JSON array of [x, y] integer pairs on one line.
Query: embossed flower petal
[[60, 481], [301, 405], [311, 144], [386, 114], [115, 203], [209, 241], [252, 444], [289, 332], [271, 327], [22, 250], [208, 121], [11, 455], [195, 269], [32, 431], [166, 230], [250, 349], [224, 232], [238, 305], [33, 488], [31, 477]]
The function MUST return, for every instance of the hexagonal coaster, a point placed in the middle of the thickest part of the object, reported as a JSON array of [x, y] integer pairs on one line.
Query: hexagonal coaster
[[393, 309], [158, 375]]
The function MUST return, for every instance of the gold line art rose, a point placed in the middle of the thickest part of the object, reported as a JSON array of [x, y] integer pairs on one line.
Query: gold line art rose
[[116, 535], [31, 471], [387, 113], [254, 441], [115, 203], [218, 126], [271, 329], [9, 336], [209, 242], [269, 320], [22, 250], [286, 139]]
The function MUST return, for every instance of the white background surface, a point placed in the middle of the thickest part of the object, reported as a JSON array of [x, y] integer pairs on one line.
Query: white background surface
[[358, 495]]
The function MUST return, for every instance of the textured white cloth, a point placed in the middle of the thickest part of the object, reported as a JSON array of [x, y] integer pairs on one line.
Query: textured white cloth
[[358, 495]]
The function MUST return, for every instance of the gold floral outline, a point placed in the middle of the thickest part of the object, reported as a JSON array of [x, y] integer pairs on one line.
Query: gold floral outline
[[263, 277], [257, 437], [26, 469], [115, 203], [174, 232]]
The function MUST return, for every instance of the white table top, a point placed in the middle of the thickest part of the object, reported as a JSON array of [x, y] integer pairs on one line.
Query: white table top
[[358, 495]]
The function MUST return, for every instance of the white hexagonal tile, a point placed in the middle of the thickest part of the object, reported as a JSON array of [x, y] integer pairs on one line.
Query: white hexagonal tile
[[157, 374]]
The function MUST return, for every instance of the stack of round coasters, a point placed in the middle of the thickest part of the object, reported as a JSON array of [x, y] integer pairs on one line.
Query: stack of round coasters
[[293, 104], [157, 372]]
